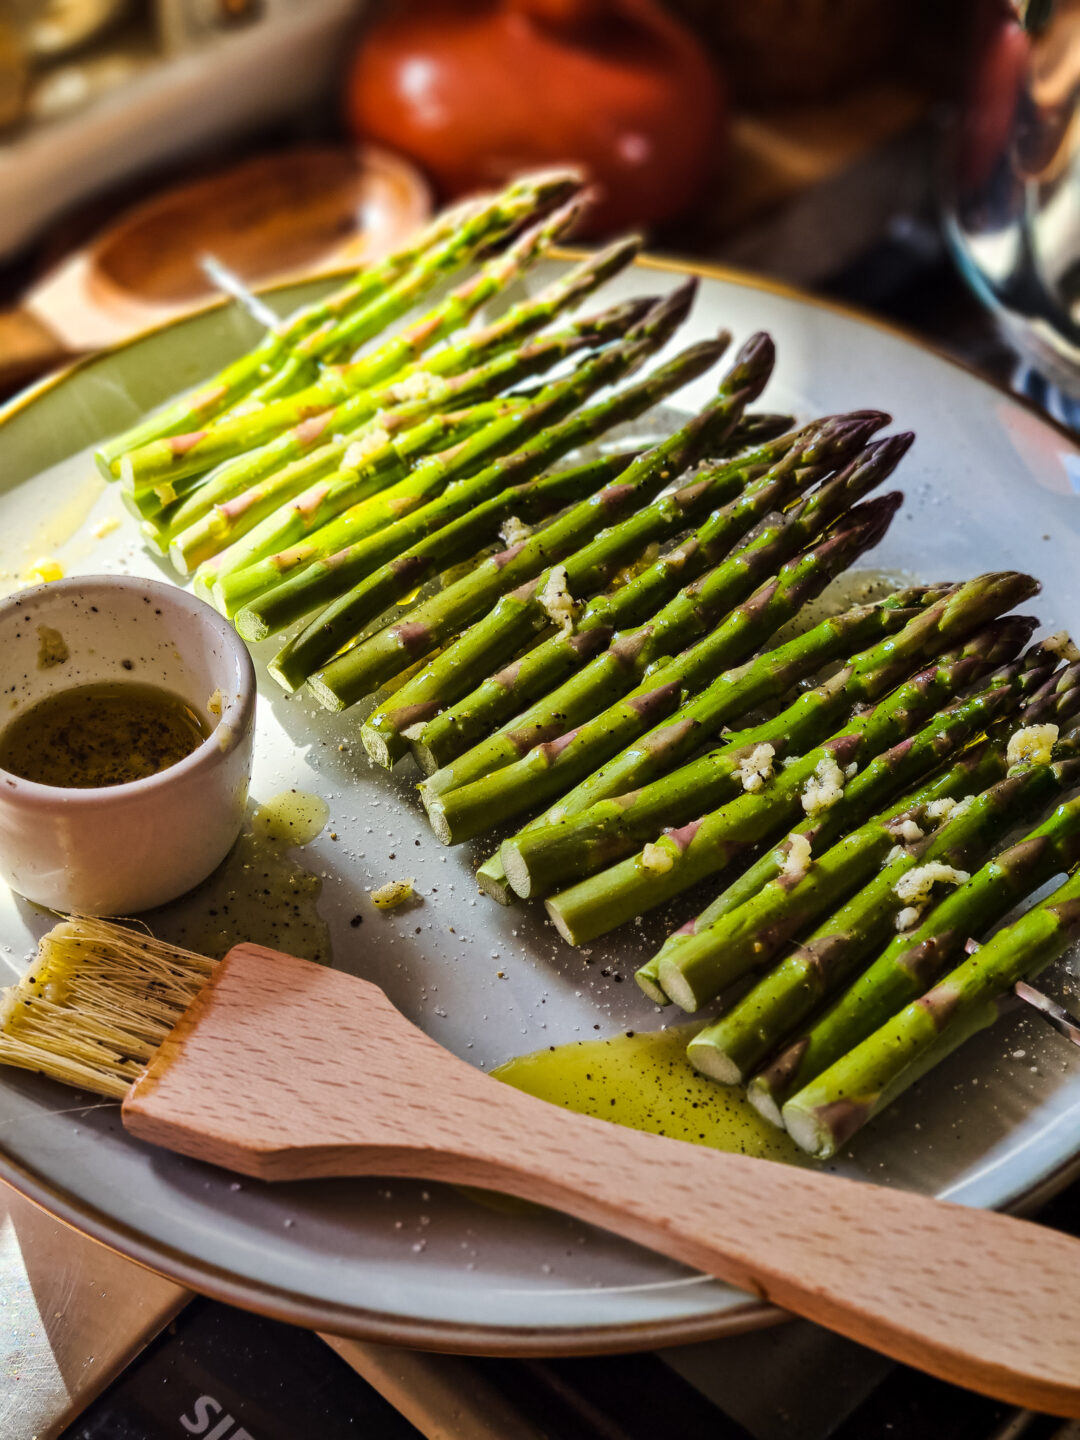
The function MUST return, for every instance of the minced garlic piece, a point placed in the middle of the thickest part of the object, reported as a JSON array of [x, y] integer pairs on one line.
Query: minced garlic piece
[[910, 832], [907, 918], [947, 808], [896, 853], [824, 788], [556, 599], [514, 531], [656, 858], [850, 771], [388, 897], [372, 440], [421, 386], [214, 703], [756, 768], [797, 861], [1062, 644], [1034, 744], [942, 809], [917, 884]]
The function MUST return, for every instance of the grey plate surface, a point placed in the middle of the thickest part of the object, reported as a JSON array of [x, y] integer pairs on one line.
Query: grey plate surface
[[989, 484]]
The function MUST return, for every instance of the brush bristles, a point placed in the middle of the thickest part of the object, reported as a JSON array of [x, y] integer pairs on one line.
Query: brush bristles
[[96, 1003]]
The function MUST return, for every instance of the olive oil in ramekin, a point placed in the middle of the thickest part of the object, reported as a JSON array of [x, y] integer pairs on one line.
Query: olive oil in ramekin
[[105, 734]]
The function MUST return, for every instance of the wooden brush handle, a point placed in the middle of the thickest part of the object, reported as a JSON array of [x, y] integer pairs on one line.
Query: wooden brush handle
[[283, 1070]]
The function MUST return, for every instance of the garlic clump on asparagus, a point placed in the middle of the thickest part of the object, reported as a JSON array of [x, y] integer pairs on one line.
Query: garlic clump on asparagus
[[1034, 744], [917, 885], [824, 788], [756, 768], [557, 601]]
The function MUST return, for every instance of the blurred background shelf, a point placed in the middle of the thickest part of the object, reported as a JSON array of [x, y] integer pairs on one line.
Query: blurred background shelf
[[155, 91]]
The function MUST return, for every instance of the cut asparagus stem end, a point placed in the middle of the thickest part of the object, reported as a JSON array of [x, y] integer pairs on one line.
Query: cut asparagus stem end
[[809, 1132], [562, 925], [327, 698], [380, 747], [283, 678], [517, 872], [251, 626], [203, 587], [646, 978], [491, 878], [676, 987], [762, 1100], [708, 1060], [436, 819], [425, 760]]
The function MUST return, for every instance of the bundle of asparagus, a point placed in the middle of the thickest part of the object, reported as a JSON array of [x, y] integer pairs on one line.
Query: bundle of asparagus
[[620, 614]]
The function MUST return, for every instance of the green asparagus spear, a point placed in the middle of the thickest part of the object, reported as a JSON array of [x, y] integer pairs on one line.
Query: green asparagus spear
[[635, 653], [916, 958], [708, 844], [341, 576], [213, 396], [823, 1117], [503, 629], [344, 335], [373, 459], [551, 768], [601, 820], [733, 1046], [1026, 685], [198, 406], [502, 696], [466, 536], [272, 593], [236, 586], [318, 408], [317, 446], [589, 566], [325, 500]]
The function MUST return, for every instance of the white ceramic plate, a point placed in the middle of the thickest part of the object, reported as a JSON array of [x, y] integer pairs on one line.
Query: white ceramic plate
[[989, 484]]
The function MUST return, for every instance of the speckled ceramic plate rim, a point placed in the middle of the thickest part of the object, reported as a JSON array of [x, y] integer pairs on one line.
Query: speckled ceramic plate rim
[[451, 1337]]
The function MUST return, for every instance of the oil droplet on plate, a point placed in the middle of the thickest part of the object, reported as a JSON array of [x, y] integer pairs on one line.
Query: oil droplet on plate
[[292, 816], [260, 892], [647, 1083]]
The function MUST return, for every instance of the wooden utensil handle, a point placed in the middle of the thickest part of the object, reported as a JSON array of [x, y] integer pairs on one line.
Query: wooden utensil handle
[[284, 1070], [978, 1298]]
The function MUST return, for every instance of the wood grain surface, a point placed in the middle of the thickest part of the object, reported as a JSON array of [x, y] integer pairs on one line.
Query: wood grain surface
[[284, 1070]]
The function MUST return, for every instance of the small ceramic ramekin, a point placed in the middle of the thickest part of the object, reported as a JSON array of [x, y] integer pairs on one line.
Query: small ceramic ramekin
[[124, 848]]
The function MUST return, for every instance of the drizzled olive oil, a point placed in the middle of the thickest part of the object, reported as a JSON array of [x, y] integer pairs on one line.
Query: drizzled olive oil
[[97, 735], [647, 1083]]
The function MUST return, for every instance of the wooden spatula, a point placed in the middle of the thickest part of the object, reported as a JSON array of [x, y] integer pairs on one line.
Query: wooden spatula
[[283, 1070]]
